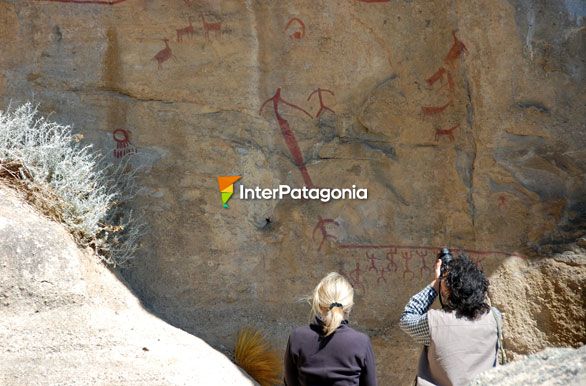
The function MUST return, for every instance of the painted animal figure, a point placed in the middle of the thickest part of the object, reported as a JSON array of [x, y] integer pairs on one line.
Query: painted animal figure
[[432, 110], [163, 55], [185, 31], [446, 133], [455, 51], [207, 27]]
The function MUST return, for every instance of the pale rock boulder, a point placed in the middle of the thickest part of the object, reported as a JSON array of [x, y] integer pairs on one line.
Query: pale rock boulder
[[66, 319]]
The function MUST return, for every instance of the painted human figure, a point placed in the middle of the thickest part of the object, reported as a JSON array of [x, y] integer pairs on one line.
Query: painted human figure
[[321, 226], [322, 106], [288, 134]]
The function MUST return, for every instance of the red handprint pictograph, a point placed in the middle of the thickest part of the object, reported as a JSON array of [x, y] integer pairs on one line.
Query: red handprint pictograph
[[288, 134], [321, 226], [322, 106], [163, 55], [372, 258], [300, 32], [391, 265], [407, 255], [446, 133], [422, 253], [123, 145], [189, 31]]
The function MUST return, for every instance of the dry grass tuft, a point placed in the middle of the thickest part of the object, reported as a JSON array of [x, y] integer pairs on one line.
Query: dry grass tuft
[[255, 355]]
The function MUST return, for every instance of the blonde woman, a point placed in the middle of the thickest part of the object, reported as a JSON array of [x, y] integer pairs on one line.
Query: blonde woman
[[328, 351]]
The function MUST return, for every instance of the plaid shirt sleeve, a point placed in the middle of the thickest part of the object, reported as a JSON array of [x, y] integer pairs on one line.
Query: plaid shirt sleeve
[[414, 318]]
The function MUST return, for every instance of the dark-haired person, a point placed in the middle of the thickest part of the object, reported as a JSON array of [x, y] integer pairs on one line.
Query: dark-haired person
[[460, 339], [328, 351]]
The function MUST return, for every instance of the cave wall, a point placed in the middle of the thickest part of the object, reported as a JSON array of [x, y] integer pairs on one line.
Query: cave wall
[[464, 119]]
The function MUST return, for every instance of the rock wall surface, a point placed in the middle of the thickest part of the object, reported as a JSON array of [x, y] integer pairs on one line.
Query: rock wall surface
[[464, 119], [67, 320]]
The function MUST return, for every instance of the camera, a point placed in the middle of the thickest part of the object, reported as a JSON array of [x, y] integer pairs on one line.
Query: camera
[[445, 256]]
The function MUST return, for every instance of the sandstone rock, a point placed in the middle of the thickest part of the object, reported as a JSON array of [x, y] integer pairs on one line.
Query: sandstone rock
[[554, 366], [479, 148], [67, 320]]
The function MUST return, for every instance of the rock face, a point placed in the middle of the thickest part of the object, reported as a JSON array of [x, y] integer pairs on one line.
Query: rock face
[[549, 367], [67, 320], [464, 121]]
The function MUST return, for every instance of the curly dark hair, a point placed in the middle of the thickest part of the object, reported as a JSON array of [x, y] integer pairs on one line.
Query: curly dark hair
[[467, 286]]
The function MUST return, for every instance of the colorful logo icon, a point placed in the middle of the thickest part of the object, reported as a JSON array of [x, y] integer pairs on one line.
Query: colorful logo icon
[[226, 184]]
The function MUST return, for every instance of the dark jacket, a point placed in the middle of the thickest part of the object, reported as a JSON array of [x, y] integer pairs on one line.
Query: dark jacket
[[344, 358]]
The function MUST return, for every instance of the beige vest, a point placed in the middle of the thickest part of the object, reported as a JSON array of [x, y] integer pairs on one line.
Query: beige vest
[[459, 350]]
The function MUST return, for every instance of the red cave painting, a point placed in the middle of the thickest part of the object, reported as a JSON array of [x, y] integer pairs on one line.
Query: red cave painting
[[424, 268], [186, 31], [403, 262], [432, 110], [455, 51], [449, 133], [123, 145], [163, 55], [322, 106], [299, 33], [502, 201], [444, 74], [104, 2], [210, 27], [407, 255], [321, 226], [288, 134]]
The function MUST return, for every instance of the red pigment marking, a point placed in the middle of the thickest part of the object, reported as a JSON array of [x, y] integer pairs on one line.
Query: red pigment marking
[[207, 27], [395, 247], [163, 55], [189, 31], [446, 133], [407, 255], [123, 145], [502, 201], [422, 253], [322, 106], [297, 34], [104, 2], [321, 225], [289, 136], [372, 258], [432, 110], [391, 265], [455, 51]]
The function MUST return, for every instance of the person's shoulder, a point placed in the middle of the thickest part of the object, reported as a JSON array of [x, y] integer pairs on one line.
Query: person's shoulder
[[358, 336], [302, 331]]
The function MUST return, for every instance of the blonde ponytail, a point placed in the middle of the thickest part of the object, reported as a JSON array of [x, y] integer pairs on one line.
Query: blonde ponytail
[[332, 301]]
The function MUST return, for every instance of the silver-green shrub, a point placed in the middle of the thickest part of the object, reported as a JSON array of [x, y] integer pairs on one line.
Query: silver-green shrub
[[74, 183]]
